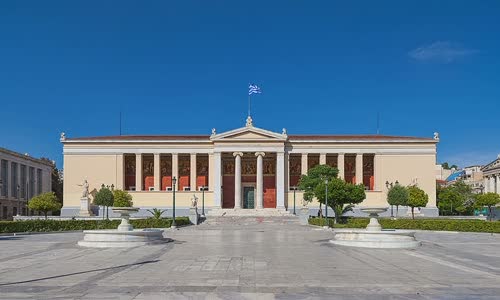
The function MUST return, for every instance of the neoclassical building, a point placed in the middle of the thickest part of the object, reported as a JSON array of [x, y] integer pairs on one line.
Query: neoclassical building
[[245, 168], [491, 173]]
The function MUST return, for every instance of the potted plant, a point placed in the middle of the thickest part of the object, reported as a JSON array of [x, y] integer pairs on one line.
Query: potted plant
[[122, 204]]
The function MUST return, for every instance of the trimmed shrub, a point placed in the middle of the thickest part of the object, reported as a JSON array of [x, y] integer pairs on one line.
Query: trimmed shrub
[[66, 225], [418, 224]]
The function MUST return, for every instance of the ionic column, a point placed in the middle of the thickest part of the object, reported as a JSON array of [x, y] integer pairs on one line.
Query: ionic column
[[138, 172], [486, 184], [216, 185], [237, 179], [157, 172], [359, 168], [260, 179], [175, 169], [341, 165], [303, 166], [280, 180], [192, 169], [375, 172], [322, 158], [498, 184], [8, 185], [492, 184], [120, 172]]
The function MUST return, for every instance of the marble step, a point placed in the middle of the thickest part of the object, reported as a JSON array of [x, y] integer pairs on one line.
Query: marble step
[[265, 212]]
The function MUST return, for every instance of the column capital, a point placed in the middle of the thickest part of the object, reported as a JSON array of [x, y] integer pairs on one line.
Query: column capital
[[237, 154], [341, 153], [260, 154]]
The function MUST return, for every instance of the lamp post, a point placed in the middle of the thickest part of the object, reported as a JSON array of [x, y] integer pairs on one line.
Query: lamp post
[[294, 190], [203, 201], [326, 202], [173, 202]]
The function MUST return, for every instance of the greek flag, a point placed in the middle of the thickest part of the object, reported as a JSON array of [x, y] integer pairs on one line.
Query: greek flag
[[253, 89]]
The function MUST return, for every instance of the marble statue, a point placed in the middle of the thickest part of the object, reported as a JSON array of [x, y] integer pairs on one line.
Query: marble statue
[[213, 131], [85, 189], [284, 131], [249, 122], [63, 136], [194, 201], [436, 135]]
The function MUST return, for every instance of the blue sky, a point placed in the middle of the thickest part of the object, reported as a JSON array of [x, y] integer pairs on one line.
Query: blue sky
[[182, 67]]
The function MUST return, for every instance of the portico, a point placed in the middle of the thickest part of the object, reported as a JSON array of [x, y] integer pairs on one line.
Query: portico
[[244, 168]]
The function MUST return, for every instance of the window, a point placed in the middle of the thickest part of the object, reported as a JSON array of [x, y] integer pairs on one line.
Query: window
[[13, 180], [39, 181], [23, 182], [4, 182], [4, 213]]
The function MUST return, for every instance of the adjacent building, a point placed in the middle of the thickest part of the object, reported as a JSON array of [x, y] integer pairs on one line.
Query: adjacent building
[[245, 168], [491, 173], [21, 178]]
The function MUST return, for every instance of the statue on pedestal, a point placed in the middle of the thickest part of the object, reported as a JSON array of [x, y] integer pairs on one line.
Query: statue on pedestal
[[84, 200]]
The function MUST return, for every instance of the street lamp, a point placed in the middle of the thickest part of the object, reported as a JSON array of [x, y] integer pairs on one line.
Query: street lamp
[[294, 188], [326, 202], [173, 196]]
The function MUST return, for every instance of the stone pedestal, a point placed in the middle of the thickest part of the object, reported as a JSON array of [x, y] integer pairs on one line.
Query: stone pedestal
[[193, 215], [304, 216], [85, 207]]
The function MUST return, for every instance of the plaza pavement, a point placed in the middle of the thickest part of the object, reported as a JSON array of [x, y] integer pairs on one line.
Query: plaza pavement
[[250, 258]]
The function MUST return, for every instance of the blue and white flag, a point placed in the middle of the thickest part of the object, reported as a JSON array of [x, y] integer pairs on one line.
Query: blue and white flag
[[253, 89]]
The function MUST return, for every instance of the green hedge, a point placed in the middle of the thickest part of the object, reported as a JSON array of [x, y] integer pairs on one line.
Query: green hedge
[[420, 224], [56, 225]]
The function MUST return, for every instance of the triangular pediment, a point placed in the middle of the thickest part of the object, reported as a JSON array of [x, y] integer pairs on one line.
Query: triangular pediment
[[249, 133], [492, 165]]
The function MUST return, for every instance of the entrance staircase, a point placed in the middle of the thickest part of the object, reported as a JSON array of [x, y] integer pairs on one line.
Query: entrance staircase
[[264, 212]]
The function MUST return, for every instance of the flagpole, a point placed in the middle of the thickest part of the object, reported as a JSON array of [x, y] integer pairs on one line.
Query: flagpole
[[249, 114]]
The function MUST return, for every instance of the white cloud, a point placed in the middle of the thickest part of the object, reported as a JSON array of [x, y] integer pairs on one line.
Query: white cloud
[[441, 51]]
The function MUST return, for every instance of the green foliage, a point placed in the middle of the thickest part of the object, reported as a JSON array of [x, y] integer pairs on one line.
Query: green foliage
[[122, 199], [45, 202], [416, 198], [419, 224], [456, 198], [489, 200], [55, 225], [104, 197], [156, 213], [397, 195], [316, 178]]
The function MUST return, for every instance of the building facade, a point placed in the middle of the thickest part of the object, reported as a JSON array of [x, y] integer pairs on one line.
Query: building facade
[[21, 178], [245, 168], [491, 174]]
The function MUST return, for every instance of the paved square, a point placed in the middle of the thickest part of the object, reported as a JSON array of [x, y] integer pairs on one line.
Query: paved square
[[250, 258]]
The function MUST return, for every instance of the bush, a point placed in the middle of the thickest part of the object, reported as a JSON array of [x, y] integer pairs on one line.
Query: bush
[[122, 199], [44, 202], [56, 225], [418, 224]]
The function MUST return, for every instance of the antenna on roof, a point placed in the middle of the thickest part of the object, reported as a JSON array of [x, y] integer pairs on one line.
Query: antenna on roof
[[378, 122]]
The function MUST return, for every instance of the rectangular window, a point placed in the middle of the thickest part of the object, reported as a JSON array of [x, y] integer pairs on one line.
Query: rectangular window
[[23, 181], [39, 181], [31, 183], [4, 182], [13, 180]]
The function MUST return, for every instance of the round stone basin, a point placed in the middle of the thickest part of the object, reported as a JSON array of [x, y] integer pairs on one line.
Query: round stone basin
[[384, 239], [112, 238], [374, 210]]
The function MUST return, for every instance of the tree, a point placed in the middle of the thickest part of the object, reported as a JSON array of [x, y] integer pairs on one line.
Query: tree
[[57, 180], [314, 178], [122, 199], [490, 200], [341, 196], [445, 166], [104, 197], [45, 202], [457, 197], [416, 198], [397, 195]]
